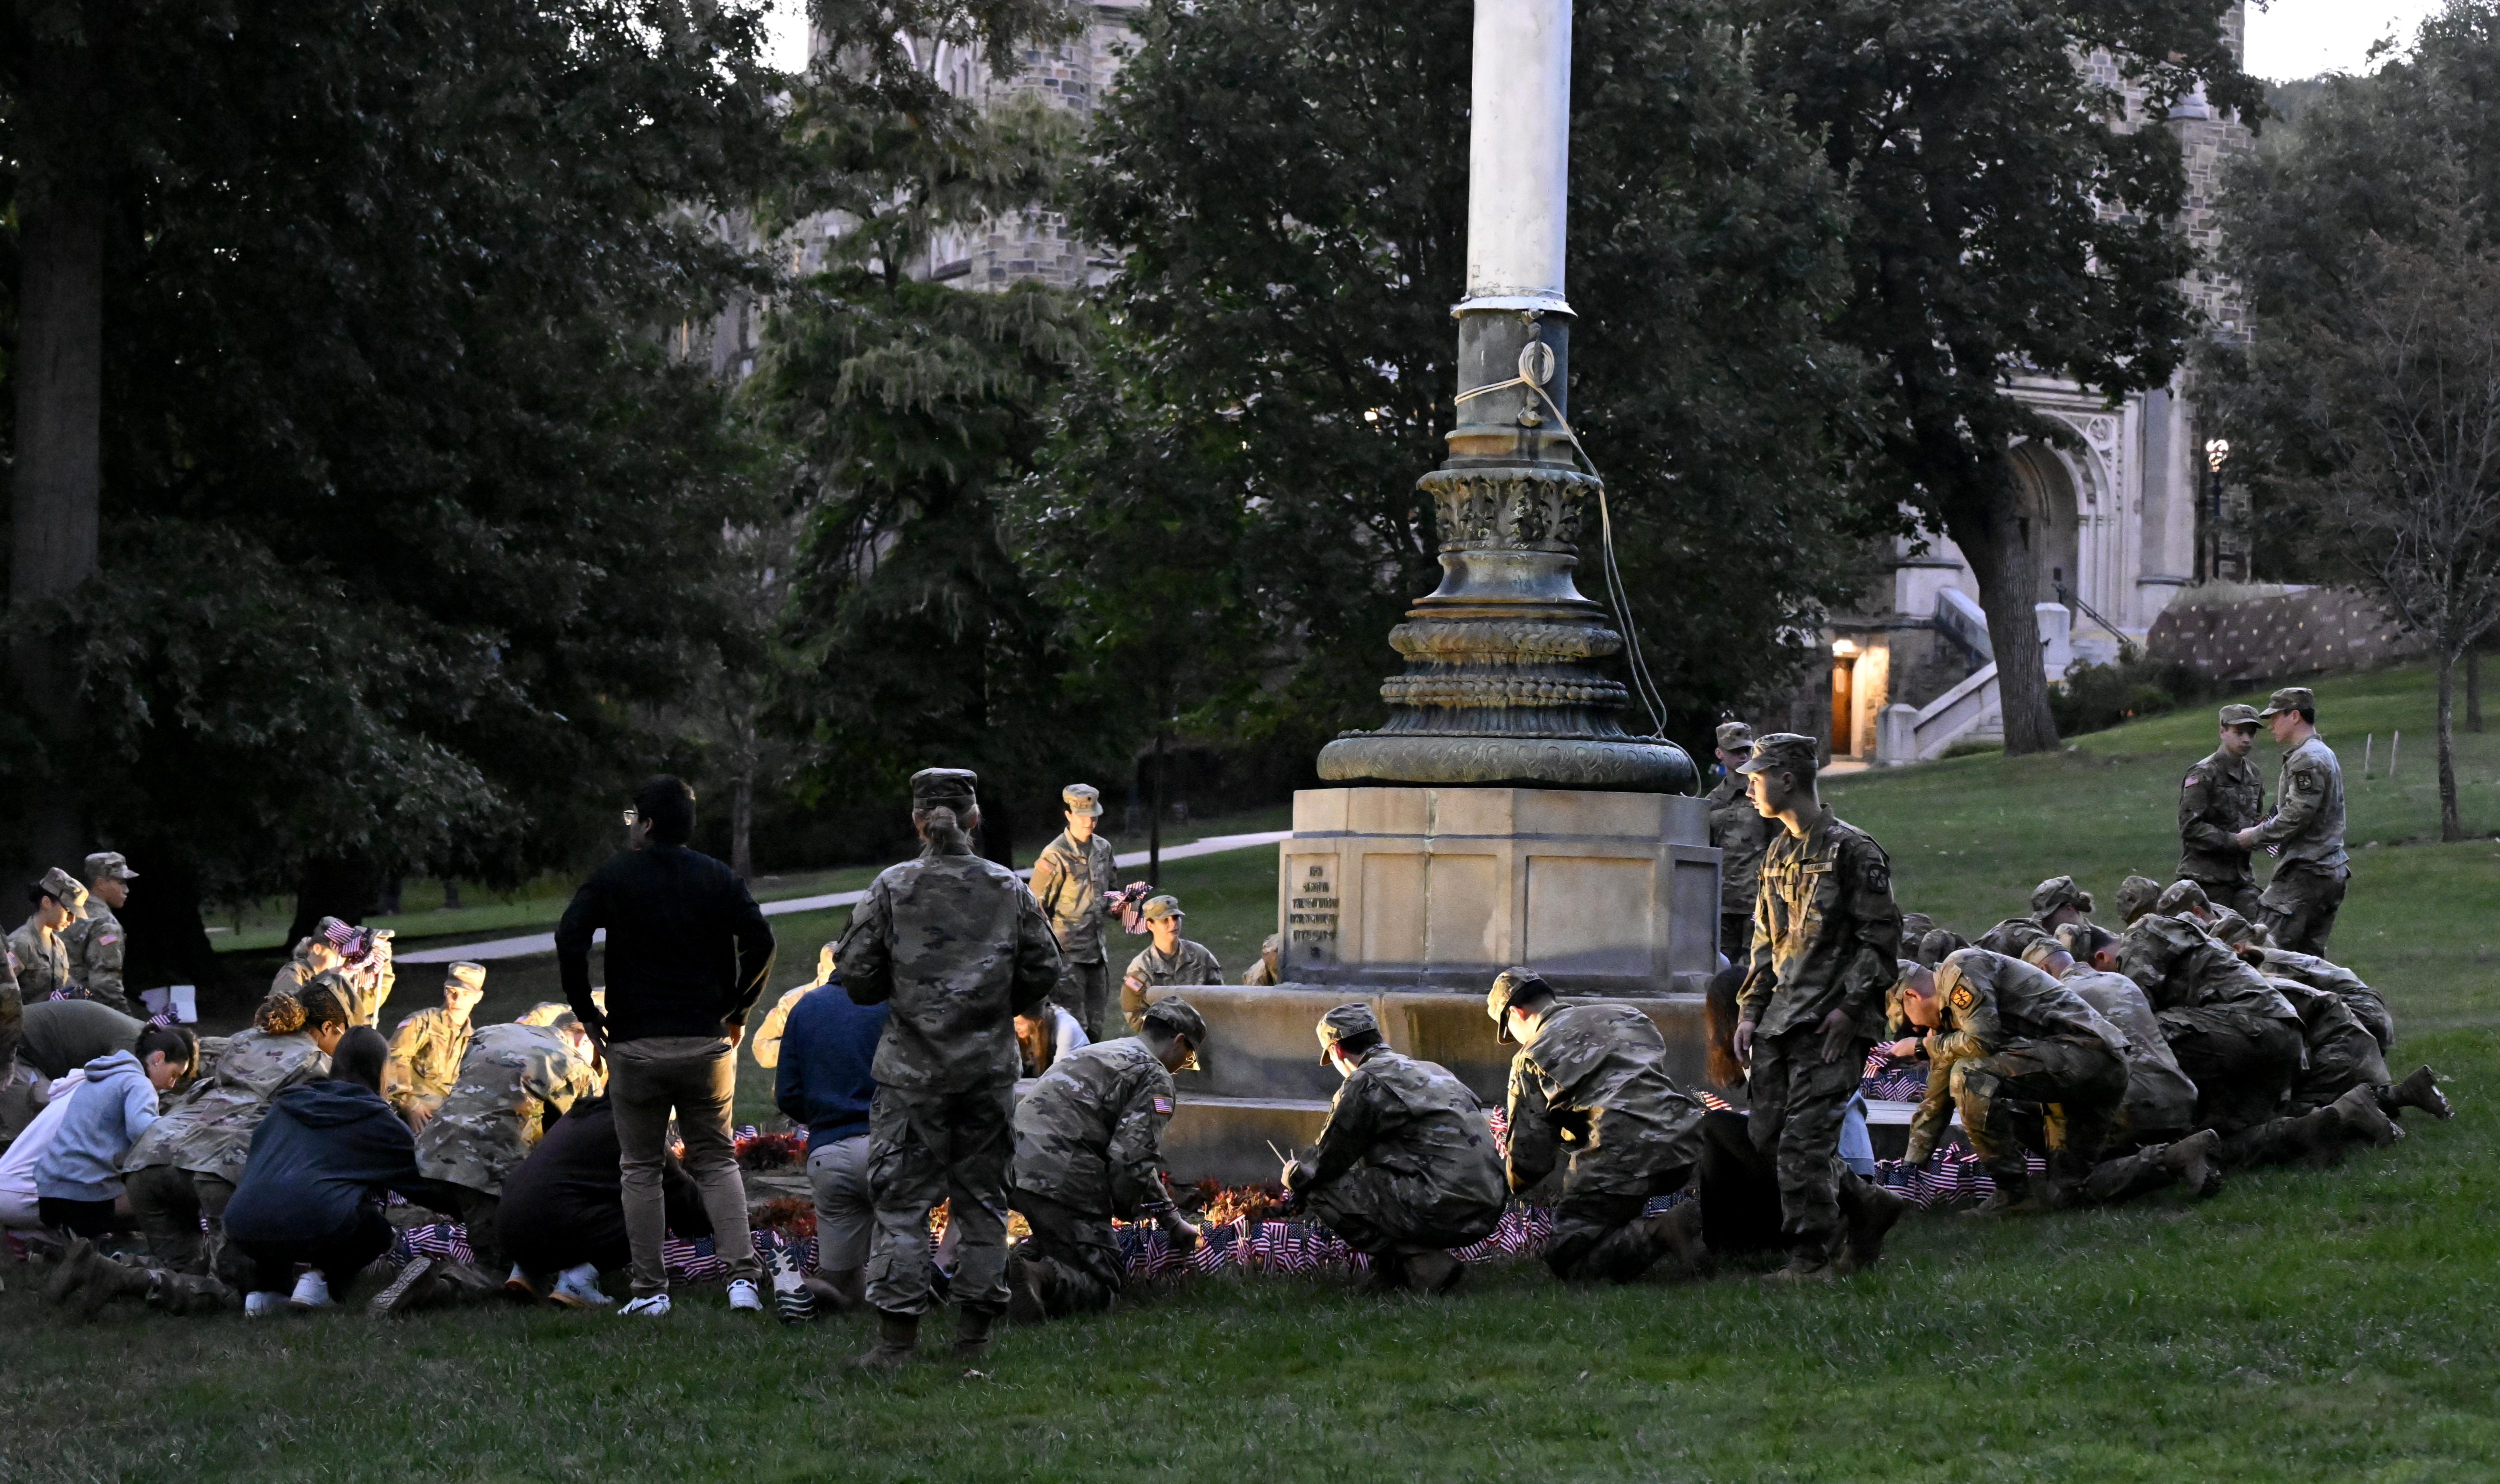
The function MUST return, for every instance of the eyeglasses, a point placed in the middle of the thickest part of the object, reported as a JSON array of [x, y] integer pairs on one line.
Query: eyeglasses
[[633, 816]]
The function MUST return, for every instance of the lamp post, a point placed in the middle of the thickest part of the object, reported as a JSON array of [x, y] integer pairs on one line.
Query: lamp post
[[1498, 686], [2218, 452]]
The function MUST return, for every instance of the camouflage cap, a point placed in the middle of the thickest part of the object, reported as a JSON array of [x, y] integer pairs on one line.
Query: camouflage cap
[[466, 976], [2037, 952], [1081, 798], [1345, 1020], [1734, 736], [2136, 896], [2236, 930], [551, 1013], [1938, 944], [2083, 940], [2059, 891], [1177, 1016], [2183, 896], [1786, 752], [1906, 971], [59, 885], [110, 863], [948, 788], [1158, 908], [1508, 986], [2289, 698], [2239, 714]]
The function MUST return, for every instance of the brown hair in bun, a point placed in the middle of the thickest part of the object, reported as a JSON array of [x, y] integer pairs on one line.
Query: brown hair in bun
[[279, 1014]]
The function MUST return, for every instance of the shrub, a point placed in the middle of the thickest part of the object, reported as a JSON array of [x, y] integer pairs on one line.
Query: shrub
[[2096, 697]]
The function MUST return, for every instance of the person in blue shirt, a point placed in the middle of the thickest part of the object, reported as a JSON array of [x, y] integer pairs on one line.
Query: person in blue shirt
[[823, 1083]]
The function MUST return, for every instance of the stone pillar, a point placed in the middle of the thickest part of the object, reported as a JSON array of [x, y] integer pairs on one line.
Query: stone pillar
[[2057, 651], [1897, 736]]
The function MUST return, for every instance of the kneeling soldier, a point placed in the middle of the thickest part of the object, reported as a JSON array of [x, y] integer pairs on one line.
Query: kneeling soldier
[[1170, 961], [1594, 1077], [1089, 1146], [509, 1079], [2001, 1034], [1407, 1168]]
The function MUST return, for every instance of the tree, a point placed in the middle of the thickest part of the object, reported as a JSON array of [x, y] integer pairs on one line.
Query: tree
[[407, 511], [2008, 215], [2369, 404], [1233, 502]]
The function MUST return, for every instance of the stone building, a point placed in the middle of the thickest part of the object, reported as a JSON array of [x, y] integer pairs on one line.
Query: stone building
[[2118, 520]]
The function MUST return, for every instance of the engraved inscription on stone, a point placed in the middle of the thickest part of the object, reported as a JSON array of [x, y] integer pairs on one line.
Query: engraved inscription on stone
[[1311, 907]]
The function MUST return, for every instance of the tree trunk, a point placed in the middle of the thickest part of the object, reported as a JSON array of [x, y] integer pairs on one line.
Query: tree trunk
[[169, 941], [2474, 688], [742, 824], [2008, 587], [2450, 825], [997, 831], [62, 205]]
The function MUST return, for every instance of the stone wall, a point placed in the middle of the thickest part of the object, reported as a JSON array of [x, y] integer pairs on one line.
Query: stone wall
[[2298, 633]]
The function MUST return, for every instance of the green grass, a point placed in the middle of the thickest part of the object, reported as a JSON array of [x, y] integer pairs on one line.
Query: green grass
[[2331, 1326]]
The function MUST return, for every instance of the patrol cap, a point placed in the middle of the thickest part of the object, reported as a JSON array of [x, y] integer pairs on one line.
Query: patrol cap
[[1939, 944], [2059, 891], [58, 885], [2036, 952], [943, 787], [2239, 714], [2083, 940], [1346, 1020], [1158, 908], [112, 864], [2183, 896], [549, 1012], [2289, 698], [1081, 798], [2136, 896], [1177, 1016], [468, 976], [1785, 751], [1510, 985], [2235, 930], [1916, 925], [1734, 736], [1905, 971]]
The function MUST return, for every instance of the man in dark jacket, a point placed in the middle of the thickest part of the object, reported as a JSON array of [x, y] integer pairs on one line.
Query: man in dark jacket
[[824, 1084], [309, 1192], [563, 1211], [688, 952]]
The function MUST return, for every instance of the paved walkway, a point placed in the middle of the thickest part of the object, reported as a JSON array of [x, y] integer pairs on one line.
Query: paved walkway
[[544, 943]]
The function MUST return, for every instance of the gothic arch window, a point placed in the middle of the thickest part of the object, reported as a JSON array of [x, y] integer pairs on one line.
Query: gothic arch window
[[2045, 517]]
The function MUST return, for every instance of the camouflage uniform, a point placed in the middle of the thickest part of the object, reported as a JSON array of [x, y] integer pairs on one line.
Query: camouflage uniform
[[2234, 1035], [1595, 1078], [1742, 835], [958, 947], [43, 961], [2160, 1103], [2341, 1052], [1088, 1147], [2219, 797], [1189, 964], [2306, 837], [425, 1059], [1070, 881], [1827, 936], [188, 1162], [1407, 1161], [94, 946], [2335, 979], [510, 1076], [2008, 1034]]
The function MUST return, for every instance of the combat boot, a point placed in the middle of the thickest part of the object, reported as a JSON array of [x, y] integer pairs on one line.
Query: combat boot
[[841, 1291], [1870, 1213], [2012, 1193], [1387, 1273], [107, 1281], [2196, 1162], [1027, 1289], [897, 1340], [2362, 1117], [70, 1271], [1433, 1273], [1675, 1236], [2419, 1090], [190, 1293], [972, 1328], [1809, 1262], [412, 1289]]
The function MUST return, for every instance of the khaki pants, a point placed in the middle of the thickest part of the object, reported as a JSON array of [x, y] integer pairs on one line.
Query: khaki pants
[[694, 1076], [845, 1212]]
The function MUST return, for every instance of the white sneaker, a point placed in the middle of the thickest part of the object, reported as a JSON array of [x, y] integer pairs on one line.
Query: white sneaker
[[650, 1306], [579, 1288], [312, 1291], [742, 1297], [260, 1305]]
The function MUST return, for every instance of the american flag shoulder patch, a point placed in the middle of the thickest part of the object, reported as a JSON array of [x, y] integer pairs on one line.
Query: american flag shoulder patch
[[2194, 779], [1163, 1104]]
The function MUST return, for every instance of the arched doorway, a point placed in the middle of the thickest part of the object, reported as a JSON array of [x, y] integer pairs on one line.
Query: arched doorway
[[2046, 520]]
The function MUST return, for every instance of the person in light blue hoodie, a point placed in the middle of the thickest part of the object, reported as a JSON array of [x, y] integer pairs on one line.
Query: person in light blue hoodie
[[77, 1180]]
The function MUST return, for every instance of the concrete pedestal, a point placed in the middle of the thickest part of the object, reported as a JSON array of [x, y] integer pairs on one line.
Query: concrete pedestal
[[1613, 894]]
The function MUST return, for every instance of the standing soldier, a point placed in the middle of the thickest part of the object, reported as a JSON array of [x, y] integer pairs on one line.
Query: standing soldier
[[429, 1046], [1070, 881], [1407, 1168], [2305, 833], [1089, 1146], [95, 940], [512, 1075], [1826, 948], [43, 955], [1169, 961], [1741, 834], [958, 947], [2219, 797]]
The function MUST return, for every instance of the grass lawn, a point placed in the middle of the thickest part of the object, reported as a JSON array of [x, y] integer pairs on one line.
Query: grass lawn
[[2336, 1326]]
